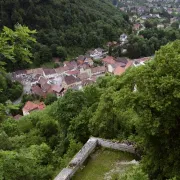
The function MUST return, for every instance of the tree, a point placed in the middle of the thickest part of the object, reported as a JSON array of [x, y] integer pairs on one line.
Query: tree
[[61, 52], [134, 173], [50, 98], [68, 107], [5, 144], [175, 25], [157, 105], [15, 45]]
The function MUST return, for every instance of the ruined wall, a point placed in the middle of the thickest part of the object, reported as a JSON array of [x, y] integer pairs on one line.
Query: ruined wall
[[86, 150], [116, 145], [78, 160]]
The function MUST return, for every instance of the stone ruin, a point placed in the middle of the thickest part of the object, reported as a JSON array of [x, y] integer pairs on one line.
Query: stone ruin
[[86, 150]]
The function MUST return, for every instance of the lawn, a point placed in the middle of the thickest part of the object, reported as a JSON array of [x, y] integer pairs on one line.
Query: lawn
[[102, 164]]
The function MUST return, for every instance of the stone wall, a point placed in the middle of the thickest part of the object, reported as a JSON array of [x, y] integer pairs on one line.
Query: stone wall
[[116, 145], [86, 150]]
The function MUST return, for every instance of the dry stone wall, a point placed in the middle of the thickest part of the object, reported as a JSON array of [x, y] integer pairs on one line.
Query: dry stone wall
[[86, 150]]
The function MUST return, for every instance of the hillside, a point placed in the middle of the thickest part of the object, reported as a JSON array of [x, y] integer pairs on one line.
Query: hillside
[[70, 23], [39, 145]]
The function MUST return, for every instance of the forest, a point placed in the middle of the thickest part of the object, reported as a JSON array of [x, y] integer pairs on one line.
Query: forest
[[65, 26], [141, 106]]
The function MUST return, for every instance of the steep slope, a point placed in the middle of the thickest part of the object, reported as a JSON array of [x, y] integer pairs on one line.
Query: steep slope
[[68, 23]]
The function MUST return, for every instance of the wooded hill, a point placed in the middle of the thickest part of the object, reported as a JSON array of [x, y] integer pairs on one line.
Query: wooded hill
[[68, 23]]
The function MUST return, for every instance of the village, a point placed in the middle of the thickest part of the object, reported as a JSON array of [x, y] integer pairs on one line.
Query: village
[[75, 74], [165, 12]]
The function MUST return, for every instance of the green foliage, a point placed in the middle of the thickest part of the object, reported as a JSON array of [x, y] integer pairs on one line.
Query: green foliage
[[27, 164], [74, 147], [9, 90], [15, 45], [151, 23], [29, 97], [152, 39], [134, 173], [68, 107], [50, 98], [5, 144], [61, 52]]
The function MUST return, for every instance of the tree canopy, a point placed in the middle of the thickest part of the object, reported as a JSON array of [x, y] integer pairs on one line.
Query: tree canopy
[[15, 45]]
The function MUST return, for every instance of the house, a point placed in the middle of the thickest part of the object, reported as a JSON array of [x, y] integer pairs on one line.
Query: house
[[30, 106], [61, 70], [85, 69], [35, 79], [123, 60], [44, 84], [72, 65], [129, 64], [83, 76], [97, 53], [70, 81], [35, 71], [108, 60], [19, 73], [42, 81], [89, 61], [136, 27], [140, 61], [160, 26], [123, 38], [58, 80], [87, 82], [57, 90], [37, 91], [49, 73], [80, 60], [98, 70], [72, 72], [119, 70]]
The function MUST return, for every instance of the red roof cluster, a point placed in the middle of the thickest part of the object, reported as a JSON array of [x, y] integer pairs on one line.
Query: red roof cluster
[[30, 106], [109, 60]]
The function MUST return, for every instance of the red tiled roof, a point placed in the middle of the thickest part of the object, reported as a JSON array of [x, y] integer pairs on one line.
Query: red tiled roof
[[109, 60], [122, 60], [41, 106], [83, 76], [119, 70], [79, 62], [46, 87], [99, 69], [30, 106], [129, 64], [37, 90], [56, 88], [42, 81], [70, 80]]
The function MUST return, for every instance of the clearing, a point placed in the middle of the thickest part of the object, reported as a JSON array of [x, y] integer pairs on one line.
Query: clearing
[[103, 164]]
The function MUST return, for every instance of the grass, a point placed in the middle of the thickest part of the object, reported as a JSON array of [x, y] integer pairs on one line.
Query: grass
[[48, 65], [102, 164]]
